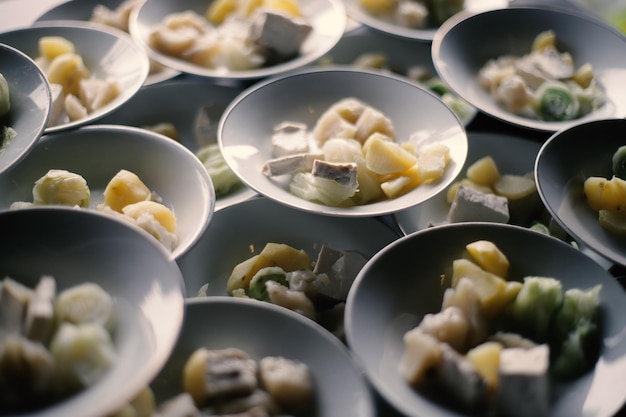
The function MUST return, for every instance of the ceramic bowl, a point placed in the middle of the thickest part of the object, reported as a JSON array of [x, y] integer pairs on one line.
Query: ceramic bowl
[[247, 126], [262, 329], [611, 11], [406, 280], [106, 52], [29, 101], [80, 246], [560, 181], [84, 11], [327, 18], [193, 107], [512, 154], [426, 33], [462, 47], [401, 57], [99, 152], [238, 232]]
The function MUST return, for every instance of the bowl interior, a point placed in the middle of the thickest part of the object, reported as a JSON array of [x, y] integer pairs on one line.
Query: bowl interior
[[99, 152], [327, 18], [247, 125], [512, 154], [194, 107], [106, 52], [403, 282], [458, 59], [236, 231], [30, 103], [262, 329], [560, 181], [81, 246]]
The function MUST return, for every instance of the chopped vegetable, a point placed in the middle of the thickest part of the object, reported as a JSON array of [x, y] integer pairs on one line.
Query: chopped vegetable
[[59, 186], [223, 178], [555, 102]]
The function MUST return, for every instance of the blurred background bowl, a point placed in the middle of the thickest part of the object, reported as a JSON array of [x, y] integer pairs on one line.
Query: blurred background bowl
[[407, 279], [108, 53], [80, 246], [29, 100], [99, 152], [262, 329], [463, 45], [248, 123]]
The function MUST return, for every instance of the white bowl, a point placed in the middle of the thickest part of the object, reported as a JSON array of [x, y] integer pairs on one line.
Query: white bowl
[[98, 152], [565, 160], [512, 154], [327, 18], [30, 103], [76, 247], [463, 45], [247, 125], [82, 11], [403, 282], [262, 329], [106, 52], [401, 55], [240, 231], [358, 13], [180, 102]]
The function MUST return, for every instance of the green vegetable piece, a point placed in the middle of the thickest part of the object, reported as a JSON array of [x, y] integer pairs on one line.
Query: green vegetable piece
[[437, 86], [223, 178], [578, 353], [535, 306], [579, 306], [62, 187], [619, 162], [257, 288], [5, 102], [556, 102], [540, 227]]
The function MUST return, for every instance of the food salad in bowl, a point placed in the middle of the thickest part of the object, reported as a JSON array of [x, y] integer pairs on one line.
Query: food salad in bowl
[[91, 69], [537, 68], [235, 39], [342, 141]]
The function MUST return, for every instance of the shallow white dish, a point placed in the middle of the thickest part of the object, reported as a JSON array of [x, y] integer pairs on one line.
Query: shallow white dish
[[83, 10], [30, 101], [106, 52], [240, 231], [180, 102], [262, 329], [401, 55], [404, 281], [358, 13], [462, 47], [247, 124], [98, 152], [512, 154], [560, 181], [83, 246], [327, 18]]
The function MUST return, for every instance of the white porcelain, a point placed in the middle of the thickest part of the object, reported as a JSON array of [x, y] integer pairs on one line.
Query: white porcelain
[[327, 18], [426, 34], [246, 127], [564, 162], [401, 54], [98, 152], [239, 231], [464, 44], [82, 10], [30, 102], [512, 154], [78, 246], [179, 102], [106, 52], [262, 329], [403, 282]]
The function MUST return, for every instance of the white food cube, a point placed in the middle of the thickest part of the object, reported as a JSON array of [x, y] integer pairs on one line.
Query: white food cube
[[473, 205]]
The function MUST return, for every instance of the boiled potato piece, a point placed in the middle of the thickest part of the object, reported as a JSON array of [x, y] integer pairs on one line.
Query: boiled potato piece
[[489, 287], [219, 10], [67, 70], [160, 212], [372, 121], [486, 358], [593, 188], [488, 256], [613, 221], [387, 157], [422, 353], [515, 187], [125, 188], [378, 6], [432, 161], [614, 195], [484, 171], [273, 254], [52, 46]]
